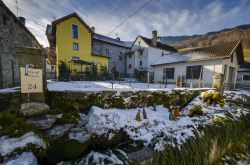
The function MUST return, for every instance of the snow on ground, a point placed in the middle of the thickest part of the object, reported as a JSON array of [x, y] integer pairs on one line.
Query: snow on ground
[[104, 86], [26, 158], [10, 90], [157, 128], [100, 158], [8, 145]]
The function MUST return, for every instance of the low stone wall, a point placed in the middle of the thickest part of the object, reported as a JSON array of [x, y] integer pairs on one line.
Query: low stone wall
[[82, 101]]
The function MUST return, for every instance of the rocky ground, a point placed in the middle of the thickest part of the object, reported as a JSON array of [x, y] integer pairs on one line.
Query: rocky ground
[[36, 134]]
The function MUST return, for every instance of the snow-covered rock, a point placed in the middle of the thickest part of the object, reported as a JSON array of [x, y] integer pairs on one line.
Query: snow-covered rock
[[26, 158], [8, 145], [42, 122], [58, 131], [79, 134], [33, 109]]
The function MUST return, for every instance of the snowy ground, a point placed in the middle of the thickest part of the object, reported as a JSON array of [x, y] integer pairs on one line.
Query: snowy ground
[[106, 86]]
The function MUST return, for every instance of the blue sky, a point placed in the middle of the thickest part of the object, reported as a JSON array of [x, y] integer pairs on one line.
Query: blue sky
[[168, 17]]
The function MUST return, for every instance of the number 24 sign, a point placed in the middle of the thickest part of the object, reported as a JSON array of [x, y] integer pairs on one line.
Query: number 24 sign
[[31, 80]]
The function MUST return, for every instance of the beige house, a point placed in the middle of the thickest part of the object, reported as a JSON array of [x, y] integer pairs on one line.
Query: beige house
[[198, 66]]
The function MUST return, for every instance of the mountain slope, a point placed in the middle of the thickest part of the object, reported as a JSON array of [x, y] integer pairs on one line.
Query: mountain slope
[[212, 38]]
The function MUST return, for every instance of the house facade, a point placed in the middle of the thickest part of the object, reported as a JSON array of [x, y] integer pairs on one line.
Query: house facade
[[243, 78], [198, 66], [115, 49], [144, 52], [71, 39], [13, 34]]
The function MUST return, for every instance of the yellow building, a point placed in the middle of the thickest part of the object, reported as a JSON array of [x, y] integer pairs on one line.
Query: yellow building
[[71, 39]]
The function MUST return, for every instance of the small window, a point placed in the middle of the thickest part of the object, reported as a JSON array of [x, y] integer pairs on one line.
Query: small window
[[168, 73], [140, 52], [75, 46], [120, 56], [4, 20], [53, 67], [162, 53], [194, 72], [75, 31], [130, 55], [139, 43], [246, 77], [140, 63], [129, 66], [232, 59], [107, 52], [75, 58]]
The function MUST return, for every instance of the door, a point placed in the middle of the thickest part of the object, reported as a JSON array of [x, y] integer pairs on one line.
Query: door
[[231, 78]]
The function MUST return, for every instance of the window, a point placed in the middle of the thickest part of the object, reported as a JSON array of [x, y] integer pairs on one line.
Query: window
[[120, 56], [140, 63], [75, 58], [75, 46], [232, 58], [53, 67], [140, 52], [129, 66], [130, 55], [107, 52], [139, 43], [168, 73], [4, 20], [162, 53], [75, 31], [246, 77], [194, 72]]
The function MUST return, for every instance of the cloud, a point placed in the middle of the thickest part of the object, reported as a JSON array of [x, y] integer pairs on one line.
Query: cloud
[[169, 17]]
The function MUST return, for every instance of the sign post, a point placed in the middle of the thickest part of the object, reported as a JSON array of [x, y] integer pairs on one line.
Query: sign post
[[31, 81]]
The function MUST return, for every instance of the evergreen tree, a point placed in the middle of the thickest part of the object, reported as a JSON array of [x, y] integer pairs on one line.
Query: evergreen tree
[[64, 71]]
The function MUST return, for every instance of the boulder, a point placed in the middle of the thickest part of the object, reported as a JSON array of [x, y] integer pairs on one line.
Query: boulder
[[42, 122], [58, 131], [33, 109]]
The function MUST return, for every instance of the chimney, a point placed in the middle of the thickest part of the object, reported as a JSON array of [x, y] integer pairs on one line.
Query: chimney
[[93, 28], [118, 38], [154, 38], [22, 20]]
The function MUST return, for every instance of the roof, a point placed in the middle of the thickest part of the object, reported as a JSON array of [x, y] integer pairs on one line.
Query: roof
[[159, 44], [51, 28], [220, 51], [113, 41], [18, 21]]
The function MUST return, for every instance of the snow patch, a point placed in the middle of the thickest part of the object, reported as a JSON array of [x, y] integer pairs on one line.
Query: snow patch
[[26, 158], [8, 145]]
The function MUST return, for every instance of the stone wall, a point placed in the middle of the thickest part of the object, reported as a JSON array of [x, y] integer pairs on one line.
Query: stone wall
[[13, 34]]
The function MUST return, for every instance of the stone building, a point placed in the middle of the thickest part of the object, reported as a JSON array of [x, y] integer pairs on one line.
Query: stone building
[[115, 49], [13, 34]]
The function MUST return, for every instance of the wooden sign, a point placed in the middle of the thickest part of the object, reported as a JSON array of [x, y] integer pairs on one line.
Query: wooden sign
[[31, 80]]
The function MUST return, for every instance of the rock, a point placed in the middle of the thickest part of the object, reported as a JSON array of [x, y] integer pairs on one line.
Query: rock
[[83, 119], [58, 131], [26, 158], [79, 134], [42, 122], [33, 109]]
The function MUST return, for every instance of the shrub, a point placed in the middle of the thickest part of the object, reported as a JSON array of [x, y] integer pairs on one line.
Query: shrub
[[196, 111], [64, 71]]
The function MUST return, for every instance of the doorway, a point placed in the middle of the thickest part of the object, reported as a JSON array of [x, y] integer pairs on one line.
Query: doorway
[[231, 78]]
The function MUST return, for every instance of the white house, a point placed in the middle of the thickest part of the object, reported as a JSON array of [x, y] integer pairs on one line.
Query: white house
[[243, 78], [199, 65], [144, 52]]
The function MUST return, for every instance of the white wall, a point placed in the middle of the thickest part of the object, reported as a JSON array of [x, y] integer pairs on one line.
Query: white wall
[[210, 67]]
